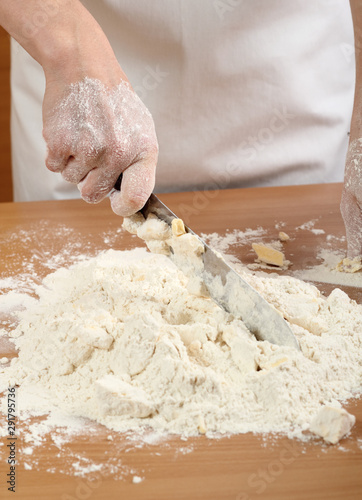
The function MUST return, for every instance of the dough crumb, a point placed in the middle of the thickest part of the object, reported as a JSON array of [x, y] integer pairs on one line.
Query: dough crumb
[[188, 245], [350, 265], [116, 397], [201, 425], [132, 223], [196, 286], [154, 229], [332, 423], [283, 236], [158, 246], [4, 360], [137, 479], [269, 255]]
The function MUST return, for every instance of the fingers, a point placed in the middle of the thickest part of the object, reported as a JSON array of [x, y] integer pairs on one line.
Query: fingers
[[97, 184], [57, 159], [137, 184], [74, 160], [352, 216], [73, 169]]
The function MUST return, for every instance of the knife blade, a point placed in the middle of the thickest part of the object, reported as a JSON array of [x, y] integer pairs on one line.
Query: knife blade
[[228, 289]]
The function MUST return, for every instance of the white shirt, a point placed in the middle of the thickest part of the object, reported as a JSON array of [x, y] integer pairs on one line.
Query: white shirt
[[243, 92]]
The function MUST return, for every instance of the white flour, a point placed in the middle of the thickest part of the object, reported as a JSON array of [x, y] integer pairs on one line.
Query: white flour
[[119, 339], [326, 271]]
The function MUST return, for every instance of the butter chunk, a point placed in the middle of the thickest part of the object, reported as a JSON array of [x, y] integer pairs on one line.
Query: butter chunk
[[283, 236], [201, 425], [268, 254], [178, 227], [332, 423], [350, 265]]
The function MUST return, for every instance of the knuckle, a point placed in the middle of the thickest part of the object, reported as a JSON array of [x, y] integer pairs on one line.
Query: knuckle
[[153, 149], [70, 176], [92, 195], [53, 165]]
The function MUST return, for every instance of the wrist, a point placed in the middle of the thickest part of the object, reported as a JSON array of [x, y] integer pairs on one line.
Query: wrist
[[78, 48], [63, 37]]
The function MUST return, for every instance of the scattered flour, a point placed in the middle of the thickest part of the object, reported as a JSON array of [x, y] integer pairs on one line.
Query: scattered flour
[[137, 479], [307, 226], [139, 350], [326, 271], [13, 301], [223, 243]]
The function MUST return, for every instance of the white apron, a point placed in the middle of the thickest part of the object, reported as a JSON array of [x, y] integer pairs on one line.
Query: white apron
[[243, 92]]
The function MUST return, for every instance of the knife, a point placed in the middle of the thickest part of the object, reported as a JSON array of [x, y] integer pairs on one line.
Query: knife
[[228, 289]]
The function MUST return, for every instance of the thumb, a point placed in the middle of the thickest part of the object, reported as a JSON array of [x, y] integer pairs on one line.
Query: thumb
[[137, 184]]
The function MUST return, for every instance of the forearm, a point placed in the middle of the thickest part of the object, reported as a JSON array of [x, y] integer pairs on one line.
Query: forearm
[[61, 35], [356, 122], [351, 203]]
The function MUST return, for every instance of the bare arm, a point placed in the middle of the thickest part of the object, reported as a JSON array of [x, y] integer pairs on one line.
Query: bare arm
[[351, 205], [94, 124]]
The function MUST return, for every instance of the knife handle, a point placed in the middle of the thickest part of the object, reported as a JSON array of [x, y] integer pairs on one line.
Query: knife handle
[[117, 187], [118, 183]]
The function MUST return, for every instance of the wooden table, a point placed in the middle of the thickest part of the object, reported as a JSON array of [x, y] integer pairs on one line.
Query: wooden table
[[237, 468]]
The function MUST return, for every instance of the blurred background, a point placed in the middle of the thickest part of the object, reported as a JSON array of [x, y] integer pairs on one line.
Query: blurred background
[[6, 190]]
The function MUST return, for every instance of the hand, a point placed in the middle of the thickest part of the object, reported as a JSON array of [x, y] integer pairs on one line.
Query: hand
[[351, 204], [93, 133], [94, 124]]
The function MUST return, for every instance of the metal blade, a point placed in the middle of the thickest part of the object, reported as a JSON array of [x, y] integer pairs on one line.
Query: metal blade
[[231, 291]]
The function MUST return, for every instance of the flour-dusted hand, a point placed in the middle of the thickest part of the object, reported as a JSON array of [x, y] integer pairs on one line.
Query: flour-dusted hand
[[351, 205], [93, 133]]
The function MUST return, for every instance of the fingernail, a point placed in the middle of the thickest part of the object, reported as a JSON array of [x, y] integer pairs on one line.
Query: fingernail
[[80, 185]]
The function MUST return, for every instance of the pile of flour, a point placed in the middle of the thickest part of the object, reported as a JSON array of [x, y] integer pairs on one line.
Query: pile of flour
[[122, 340]]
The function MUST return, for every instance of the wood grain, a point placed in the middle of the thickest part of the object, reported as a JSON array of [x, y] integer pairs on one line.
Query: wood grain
[[243, 467], [6, 189]]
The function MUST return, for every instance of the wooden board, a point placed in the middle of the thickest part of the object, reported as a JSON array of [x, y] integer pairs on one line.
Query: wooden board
[[237, 468]]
